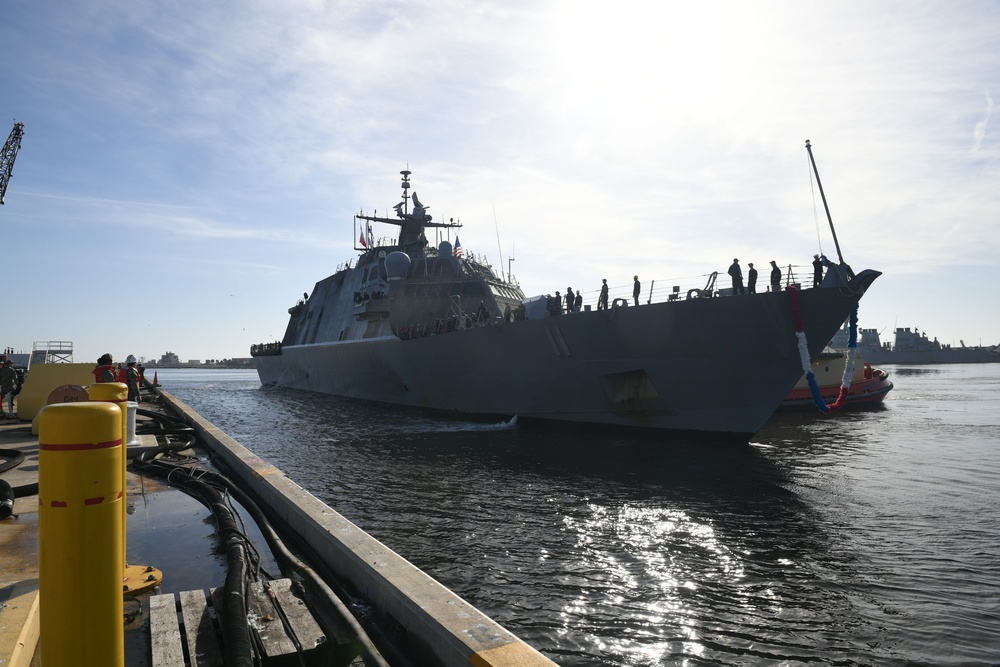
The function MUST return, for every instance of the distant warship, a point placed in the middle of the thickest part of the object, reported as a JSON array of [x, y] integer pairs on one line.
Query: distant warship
[[416, 325], [913, 347]]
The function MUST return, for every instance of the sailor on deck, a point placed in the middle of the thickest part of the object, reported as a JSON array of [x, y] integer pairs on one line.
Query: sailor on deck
[[817, 270], [775, 277], [737, 275]]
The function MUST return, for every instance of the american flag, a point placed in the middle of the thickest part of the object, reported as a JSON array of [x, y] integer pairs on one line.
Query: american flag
[[458, 248]]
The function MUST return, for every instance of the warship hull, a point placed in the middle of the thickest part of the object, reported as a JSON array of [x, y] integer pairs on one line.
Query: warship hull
[[705, 365]]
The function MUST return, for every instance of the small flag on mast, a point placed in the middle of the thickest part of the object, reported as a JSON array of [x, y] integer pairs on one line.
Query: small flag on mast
[[458, 247], [364, 244]]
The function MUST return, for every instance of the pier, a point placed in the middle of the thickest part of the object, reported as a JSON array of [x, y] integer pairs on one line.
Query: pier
[[341, 597]]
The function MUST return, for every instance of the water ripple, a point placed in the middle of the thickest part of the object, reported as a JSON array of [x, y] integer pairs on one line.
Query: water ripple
[[864, 539]]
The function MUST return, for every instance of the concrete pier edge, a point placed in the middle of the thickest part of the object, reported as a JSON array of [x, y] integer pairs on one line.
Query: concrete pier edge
[[441, 627], [19, 630]]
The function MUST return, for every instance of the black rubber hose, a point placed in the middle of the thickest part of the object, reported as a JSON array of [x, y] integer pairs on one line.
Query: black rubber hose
[[16, 458], [366, 649], [6, 500], [235, 626], [159, 416], [149, 455]]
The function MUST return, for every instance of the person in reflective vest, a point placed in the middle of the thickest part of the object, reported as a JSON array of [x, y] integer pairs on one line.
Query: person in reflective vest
[[105, 370], [132, 379]]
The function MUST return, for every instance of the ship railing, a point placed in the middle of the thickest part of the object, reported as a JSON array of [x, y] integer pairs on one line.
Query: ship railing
[[266, 349], [455, 311], [660, 290]]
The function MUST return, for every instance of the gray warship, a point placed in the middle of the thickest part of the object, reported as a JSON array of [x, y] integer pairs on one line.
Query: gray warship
[[414, 324], [913, 347]]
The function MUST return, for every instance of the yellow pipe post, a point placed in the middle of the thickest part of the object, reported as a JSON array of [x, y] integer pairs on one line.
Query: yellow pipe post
[[80, 554], [117, 393]]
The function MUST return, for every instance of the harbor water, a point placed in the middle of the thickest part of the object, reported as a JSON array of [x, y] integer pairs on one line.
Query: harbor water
[[869, 538]]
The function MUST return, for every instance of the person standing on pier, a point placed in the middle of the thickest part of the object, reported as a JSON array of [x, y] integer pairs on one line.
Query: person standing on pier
[[752, 279], [775, 277], [132, 379], [105, 370], [8, 382]]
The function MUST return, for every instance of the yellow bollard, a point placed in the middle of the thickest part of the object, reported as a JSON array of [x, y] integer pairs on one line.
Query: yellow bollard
[[117, 393], [80, 554]]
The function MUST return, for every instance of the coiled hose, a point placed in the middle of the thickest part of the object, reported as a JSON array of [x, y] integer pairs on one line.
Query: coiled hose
[[319, 592], [362, 643], [234, 607], [7, 492]]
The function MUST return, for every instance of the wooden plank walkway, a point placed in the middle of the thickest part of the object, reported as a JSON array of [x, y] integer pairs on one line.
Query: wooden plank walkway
[[185, 630]]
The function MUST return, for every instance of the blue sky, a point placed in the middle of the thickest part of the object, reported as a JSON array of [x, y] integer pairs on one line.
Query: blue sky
[[189, 169]]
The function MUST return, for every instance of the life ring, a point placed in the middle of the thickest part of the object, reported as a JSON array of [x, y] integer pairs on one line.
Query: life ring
[[403, 330], [694, 293], [619, 302]]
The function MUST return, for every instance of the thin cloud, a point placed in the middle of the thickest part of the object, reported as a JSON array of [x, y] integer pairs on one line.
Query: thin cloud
[[179, 220], [980, 132]]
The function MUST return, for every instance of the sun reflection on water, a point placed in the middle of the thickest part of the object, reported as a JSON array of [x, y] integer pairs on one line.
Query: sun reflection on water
[[661, 558]]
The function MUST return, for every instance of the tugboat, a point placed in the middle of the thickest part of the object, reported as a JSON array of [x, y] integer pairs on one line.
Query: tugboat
[[868, 386], [415, 325]]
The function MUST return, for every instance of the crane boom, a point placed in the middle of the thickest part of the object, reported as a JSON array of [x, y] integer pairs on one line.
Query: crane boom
[[8, 155]]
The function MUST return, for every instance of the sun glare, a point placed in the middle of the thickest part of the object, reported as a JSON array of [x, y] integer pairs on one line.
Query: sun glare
[[630, 61]]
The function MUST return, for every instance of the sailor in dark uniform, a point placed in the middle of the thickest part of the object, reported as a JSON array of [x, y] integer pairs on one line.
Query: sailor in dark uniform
[[817, 270], [737, 275]]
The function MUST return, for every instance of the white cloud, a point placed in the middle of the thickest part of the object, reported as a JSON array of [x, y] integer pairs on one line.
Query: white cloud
[[980, 132]]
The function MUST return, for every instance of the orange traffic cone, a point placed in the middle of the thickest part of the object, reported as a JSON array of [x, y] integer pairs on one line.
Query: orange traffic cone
[[156, 382]]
